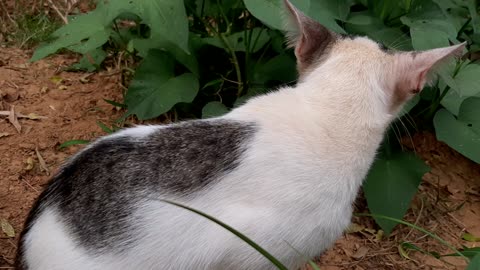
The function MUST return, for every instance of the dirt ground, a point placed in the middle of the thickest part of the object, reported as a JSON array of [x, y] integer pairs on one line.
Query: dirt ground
[[448, 203]]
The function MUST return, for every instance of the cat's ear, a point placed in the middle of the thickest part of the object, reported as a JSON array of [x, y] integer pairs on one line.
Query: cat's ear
[[412, 68], [310, 39]]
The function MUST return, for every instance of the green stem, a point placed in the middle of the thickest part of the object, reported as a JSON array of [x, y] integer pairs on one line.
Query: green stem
[[235, 63], [202, 9], [247, 40], [233, 55], [464, 26]]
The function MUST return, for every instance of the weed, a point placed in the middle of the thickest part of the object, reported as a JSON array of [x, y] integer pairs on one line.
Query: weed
[[34, 29]]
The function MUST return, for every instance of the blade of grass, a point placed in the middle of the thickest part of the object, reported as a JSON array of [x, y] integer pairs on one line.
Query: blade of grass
[[410, 246], [310, 262], [262, 251], [436, 237], [104, 127], [468, 252], [116, 104], [72, 142]]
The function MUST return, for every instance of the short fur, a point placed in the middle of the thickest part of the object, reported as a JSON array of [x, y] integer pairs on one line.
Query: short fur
[[284, 169]]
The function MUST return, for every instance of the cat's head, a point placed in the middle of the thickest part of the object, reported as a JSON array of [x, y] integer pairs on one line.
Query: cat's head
[[373, 75]]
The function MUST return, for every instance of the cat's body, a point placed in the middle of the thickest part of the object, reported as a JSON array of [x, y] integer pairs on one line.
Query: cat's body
[[283, 169]]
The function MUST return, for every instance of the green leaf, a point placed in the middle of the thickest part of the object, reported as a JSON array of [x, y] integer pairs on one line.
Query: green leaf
[[461, 133], [472, 8], [104, 127], [72, 142], [83, 34], [213, 8], [364, 23], [167, 19], [410, 104], [468, 81], [271, 12], [391, 184], [327, 12], [116, 104], [456, 15], [452, 101], [155, 90], [237, 40], [384, 9], [428, 34], [280, 68], [467, 252], [94, 41], [91, 61], [470, 237], [410, 246], [361, 18], [214, 109], [143, 46], [267, 11], [429, 27], [474, 263]]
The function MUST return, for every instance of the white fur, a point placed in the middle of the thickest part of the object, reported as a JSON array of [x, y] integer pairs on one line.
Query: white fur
[[294, 186], [135, 132]]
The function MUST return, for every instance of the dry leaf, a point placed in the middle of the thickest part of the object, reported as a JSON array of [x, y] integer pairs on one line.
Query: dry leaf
[[86, 78], [62, 87], [29, 163], [43, 165], [470, 237], [34, 116], [354, 228], [21, 66], [7, 228], [56, 79], [4, 134], [379, 236], [44, 90], [361, 252], [12, 117]]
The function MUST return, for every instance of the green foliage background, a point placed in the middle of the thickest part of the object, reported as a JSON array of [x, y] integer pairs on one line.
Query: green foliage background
[[200, 58]]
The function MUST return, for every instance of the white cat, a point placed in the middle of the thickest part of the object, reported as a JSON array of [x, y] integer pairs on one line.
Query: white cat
[[283, 169]]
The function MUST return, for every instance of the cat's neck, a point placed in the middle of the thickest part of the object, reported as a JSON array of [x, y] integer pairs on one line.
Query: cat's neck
[[308, 112]]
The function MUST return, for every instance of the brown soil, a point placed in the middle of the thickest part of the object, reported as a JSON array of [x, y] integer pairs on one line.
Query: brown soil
[[448, 203]]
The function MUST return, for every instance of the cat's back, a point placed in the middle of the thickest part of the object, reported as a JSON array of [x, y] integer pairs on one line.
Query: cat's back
[[95, 196]]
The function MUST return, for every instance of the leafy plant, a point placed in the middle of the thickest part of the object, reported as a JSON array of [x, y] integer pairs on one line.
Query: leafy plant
[[199, 58], [33, 29]]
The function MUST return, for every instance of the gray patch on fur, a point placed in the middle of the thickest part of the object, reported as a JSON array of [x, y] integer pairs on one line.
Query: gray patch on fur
[[98, 190]]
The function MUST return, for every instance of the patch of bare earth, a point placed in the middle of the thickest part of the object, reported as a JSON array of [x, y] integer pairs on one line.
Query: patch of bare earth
[[72, 104], [448, 203]]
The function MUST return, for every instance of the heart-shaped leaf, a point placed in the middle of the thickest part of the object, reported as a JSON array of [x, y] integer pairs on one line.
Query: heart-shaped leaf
[[461, 133], [214, 109], [155, 90], [391, 184]]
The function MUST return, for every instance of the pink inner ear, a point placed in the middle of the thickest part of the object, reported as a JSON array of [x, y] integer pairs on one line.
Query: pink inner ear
[[412, 68], [422, 78]]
